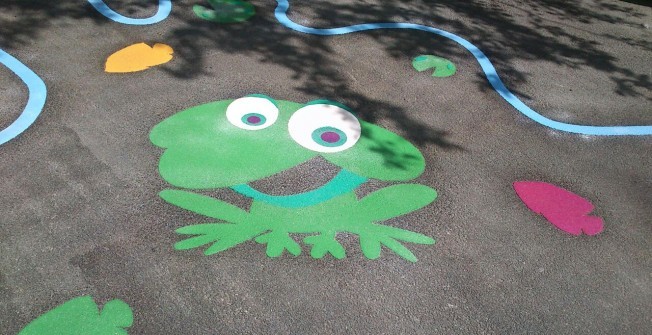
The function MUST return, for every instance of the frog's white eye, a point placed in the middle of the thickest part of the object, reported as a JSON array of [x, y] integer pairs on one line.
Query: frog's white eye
[[324, 127], [252, 112]]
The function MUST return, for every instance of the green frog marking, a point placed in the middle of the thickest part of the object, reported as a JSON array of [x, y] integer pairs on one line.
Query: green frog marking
[[231, 143]]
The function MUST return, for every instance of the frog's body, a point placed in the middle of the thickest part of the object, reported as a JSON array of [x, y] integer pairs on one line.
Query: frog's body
[[208, 147]]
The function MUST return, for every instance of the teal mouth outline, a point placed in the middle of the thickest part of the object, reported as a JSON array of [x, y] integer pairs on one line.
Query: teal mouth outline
[[344, 182]]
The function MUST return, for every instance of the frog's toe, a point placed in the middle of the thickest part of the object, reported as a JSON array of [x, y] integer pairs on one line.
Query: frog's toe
[[399, 249], [370, 247], [277, 242], [323, 244]]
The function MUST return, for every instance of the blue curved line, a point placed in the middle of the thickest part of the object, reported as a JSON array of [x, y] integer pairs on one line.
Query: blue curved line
[[164, 9], [344, 182], [485, 64], [37, 92]]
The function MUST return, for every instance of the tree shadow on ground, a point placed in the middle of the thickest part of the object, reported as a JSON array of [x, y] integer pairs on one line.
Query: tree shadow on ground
[[21, 21], [539, 33], [639, 2], [544, 30]]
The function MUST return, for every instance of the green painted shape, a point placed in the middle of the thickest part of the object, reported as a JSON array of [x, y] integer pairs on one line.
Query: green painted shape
[[82, 316], [203, 150], [225, 11], [443, 67], [271, 225]]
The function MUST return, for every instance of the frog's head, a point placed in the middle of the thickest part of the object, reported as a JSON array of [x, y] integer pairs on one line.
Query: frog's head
[[231, 143]]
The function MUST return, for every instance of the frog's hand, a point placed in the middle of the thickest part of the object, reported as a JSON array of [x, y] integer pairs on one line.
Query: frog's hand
[[323, 244], [223, 236], [277, 242], [395, 200], [81, 316], [204, 205]]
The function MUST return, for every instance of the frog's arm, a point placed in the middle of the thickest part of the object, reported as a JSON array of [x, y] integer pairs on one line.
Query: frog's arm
[[204, 205], [387, 203]]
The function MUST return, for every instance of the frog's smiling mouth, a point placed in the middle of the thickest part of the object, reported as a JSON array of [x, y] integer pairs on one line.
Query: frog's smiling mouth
[[344, 182]]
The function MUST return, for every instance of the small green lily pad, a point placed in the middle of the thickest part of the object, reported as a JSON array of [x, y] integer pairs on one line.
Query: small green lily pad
[[225, 11], [443, 67]]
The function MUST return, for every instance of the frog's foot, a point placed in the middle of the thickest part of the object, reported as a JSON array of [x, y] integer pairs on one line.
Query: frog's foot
[[390, 202], [323, 244], [277, 242], [223, 236]]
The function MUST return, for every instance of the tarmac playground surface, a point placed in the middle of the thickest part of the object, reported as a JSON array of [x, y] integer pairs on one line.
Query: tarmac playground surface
[[81, 215]]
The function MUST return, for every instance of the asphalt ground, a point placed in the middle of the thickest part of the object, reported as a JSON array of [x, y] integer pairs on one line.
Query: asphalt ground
[[80, 214]]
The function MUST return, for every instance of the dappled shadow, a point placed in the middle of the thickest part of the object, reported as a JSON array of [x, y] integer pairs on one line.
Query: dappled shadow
[[557, 31], [21, 21], [546, 30], [639, 2]]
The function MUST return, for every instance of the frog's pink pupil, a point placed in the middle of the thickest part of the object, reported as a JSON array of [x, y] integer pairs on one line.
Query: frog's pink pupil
[[330, 137], [253, 119]]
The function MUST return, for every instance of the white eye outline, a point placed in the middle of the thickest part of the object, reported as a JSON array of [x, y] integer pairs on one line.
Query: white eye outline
[[333, 120], [260, 105]]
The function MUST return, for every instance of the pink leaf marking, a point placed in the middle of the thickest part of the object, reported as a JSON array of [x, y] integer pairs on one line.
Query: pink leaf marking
[[564, 209]]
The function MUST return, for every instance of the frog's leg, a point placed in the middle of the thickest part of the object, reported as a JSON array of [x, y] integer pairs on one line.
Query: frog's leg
[[222, 235], [325, 218], [387, 203]]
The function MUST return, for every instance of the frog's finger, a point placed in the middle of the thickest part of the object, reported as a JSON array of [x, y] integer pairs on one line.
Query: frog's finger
[[235, 237], [337, 250], [222, 245], [204, 205], [396, 200], [325, 244], [277, 242], [194, 242], [399, 249], [403, 235], [318, 250], [293, 248], [204, 229]]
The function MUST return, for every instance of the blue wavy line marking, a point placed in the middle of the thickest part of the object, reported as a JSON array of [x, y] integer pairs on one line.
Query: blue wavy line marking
[[485, 64], [164, 9], [36, 100]]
